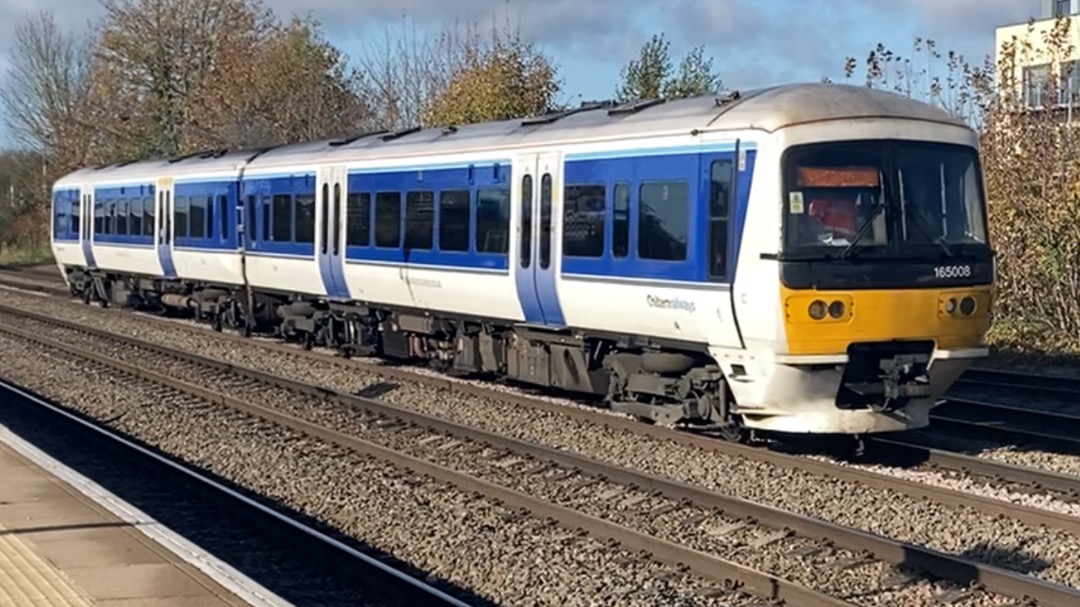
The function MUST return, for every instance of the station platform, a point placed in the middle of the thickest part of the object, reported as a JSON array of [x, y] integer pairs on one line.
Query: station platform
[[60, 548]]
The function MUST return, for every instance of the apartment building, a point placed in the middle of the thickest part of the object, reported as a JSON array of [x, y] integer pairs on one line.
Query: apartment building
[[1035, 67]]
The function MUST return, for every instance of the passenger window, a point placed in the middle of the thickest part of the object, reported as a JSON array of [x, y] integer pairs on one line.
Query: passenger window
[[252, 227], [358, 227], [99, 218], [336, 236], [419, 220], [721, 182], [324, 224], [584, 216], [135, 212], [197, 217], [388, 220], [76, 216], [281, 227], [59, 226], [266, 216], [223, 213], [305, 218], [169, 219], [148, 216], [526, 220], [663, 220], [121, 217], [210, 216], [454, 220], [181, 212], [492, 220], [110, 215], [545, 221], [620, 229]]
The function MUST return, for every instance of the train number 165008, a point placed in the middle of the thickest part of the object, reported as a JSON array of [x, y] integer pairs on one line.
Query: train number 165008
[[952, 271]]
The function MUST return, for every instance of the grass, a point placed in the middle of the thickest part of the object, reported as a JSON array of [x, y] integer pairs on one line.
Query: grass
[[25, 256]]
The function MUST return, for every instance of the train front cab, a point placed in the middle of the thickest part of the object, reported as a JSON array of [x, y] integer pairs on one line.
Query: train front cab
[[885, 285]]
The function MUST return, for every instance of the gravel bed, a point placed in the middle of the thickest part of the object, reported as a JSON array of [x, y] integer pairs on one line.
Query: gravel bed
[[708, 532], [1030, 456], [210, 521], [1050, 554], [24, 284], [472, 542], [966, 484], [1065, 464]]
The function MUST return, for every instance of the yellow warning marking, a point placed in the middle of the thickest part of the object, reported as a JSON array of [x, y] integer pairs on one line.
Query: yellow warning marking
[[28, 579]]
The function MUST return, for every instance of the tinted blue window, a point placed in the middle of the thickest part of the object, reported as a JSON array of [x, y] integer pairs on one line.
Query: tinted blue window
[[663, 220]]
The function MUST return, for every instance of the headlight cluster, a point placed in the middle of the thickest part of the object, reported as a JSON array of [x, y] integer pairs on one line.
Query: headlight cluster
[[818, 309], [965, 306]]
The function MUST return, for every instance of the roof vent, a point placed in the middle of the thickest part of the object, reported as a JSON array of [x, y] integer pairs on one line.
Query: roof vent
[[347, 140], [633, 107], [401, 133]]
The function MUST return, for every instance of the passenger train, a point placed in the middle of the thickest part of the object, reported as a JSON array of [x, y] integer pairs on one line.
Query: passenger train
[[806, 258]]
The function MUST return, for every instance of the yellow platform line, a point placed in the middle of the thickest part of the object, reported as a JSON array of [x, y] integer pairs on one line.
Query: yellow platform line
[[28, 580]]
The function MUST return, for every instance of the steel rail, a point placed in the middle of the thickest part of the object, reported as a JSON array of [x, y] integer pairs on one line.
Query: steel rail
[[1036, 478], [942, 565], [54, 291], [948, 460], [1022, 425], [413, 586], [709, 566], [1000, 378]]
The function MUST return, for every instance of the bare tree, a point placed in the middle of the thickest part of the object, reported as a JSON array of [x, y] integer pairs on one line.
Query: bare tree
[[406, 69], [1030, 153], [43, 97], [960, 87], [46, 84]]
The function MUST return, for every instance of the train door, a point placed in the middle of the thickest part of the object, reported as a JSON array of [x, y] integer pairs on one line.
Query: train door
[[86, 225], [163, 227], [538, 185], [330, 217], [256, 194]]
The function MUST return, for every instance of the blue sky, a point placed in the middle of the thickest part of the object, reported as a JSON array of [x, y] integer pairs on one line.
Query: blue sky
[[753, 42]]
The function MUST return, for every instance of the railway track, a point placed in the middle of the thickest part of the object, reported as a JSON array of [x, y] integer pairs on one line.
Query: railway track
[[643, 512], [894, 450], [1049, 384], [449, 445], [217, 515], [1027, 412], [1030, 426], [969, 417], [52, 288], [904, 451]]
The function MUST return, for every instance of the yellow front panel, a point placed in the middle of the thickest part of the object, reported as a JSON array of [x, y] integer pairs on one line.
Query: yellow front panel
[[883, 315]]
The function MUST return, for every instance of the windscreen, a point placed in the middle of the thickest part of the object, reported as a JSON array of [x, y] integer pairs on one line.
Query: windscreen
[[882, 197]]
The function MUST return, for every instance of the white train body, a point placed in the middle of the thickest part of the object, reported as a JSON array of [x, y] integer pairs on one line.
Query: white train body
[[689, 260]]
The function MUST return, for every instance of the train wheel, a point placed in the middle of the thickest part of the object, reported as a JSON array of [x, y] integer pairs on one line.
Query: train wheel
[[733, 430]]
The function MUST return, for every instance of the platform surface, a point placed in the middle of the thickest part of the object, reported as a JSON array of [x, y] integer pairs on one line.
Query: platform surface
[[58, 548]]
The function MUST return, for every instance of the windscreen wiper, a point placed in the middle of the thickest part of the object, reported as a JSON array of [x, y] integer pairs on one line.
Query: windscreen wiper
[[878, 208], [920, 222]]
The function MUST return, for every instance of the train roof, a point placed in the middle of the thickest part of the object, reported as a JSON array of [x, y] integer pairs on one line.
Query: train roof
[[767, 109]]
